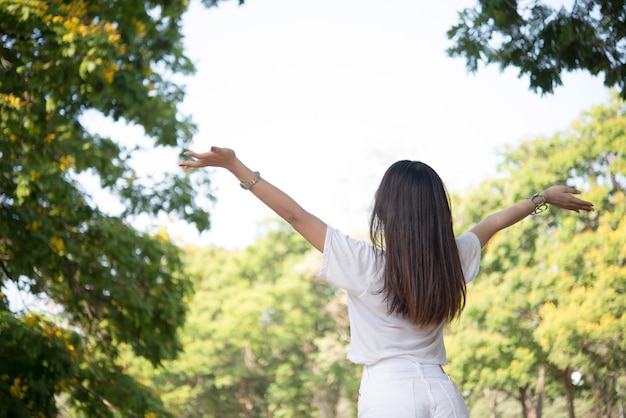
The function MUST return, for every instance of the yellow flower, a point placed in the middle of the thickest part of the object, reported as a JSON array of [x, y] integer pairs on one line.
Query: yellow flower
[[606, 319], [33, 226], [34, 175], [114, 38], [110, 27], [110, 73], [140, 28], [56, 244], [82, 30], [50, 137], [18, 390], [47, 331], [31, 320], [162, 234], [66, 162], [11, 99]]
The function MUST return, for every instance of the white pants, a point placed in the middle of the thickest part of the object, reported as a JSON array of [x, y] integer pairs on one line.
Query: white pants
[[400, 388]]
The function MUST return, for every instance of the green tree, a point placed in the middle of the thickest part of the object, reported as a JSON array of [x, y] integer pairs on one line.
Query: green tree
[[265, 338], [550, 298], [543, 42], [113, 283]]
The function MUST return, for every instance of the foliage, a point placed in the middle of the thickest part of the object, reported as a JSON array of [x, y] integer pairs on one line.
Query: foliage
[[543, 42], [35, 340], [264, 337], [114, 284], [550, 297]]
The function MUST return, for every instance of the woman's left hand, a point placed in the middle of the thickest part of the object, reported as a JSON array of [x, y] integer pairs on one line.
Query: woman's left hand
[[562, 197]]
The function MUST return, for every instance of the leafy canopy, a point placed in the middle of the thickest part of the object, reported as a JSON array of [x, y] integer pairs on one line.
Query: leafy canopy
[[550, 295], [111, 283], [543, 42]]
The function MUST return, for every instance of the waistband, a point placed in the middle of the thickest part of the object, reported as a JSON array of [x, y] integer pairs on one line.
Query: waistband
[[403, 368]]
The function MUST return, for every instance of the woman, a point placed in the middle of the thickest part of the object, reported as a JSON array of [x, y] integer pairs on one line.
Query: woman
[[405, 287]]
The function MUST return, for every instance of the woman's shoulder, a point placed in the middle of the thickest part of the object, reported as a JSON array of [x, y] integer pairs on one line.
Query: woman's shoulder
[[469, 248], [468, 238], [354, 243], [348, 262]]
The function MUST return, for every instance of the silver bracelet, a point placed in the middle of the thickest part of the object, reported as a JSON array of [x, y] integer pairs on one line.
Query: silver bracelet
[[247, 184], [539, 201]]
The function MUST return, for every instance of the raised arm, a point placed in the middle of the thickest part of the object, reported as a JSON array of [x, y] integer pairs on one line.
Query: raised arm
[[559, 196], [307, 225]]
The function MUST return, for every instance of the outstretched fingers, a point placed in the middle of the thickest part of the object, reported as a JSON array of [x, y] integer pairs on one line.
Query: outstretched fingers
[[583, 204], [191, 154], [575, 204], [199, 160], [189, 164]]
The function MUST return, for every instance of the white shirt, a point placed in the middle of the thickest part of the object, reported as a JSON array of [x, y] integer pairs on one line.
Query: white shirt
[[374, 333]]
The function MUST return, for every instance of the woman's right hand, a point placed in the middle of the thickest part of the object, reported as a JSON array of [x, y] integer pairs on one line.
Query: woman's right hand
[[216, 157]]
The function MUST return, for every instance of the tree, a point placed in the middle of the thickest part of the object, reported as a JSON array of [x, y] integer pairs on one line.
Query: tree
[[543, 42], [265, 338], [550, 298], [114, 284]]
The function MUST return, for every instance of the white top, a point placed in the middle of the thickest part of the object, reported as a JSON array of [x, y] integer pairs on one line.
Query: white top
[[374, 333]]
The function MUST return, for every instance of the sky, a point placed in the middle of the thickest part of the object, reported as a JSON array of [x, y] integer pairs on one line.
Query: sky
[[322, 96]]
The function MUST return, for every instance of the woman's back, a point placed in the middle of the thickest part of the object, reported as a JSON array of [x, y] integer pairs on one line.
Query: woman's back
[[375, 332]]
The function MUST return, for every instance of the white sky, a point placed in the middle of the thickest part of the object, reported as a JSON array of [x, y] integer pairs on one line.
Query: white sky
[[321, 96]]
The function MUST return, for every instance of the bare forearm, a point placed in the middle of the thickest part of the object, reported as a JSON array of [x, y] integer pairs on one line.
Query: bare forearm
[[283, 205], [559, 196], [502, 219]]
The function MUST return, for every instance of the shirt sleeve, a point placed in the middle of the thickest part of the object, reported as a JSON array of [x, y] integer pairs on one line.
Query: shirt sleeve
[[347, 262], [470, 253]]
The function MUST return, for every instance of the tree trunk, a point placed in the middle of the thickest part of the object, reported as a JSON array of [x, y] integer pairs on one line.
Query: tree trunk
[[608, 396], [566, 379], [528, 408], [325, 401], [491, 400], [541, 380], [597, 404], [618, 395]]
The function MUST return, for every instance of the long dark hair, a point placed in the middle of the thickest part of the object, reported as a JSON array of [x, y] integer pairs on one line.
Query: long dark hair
[[412, 222]]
